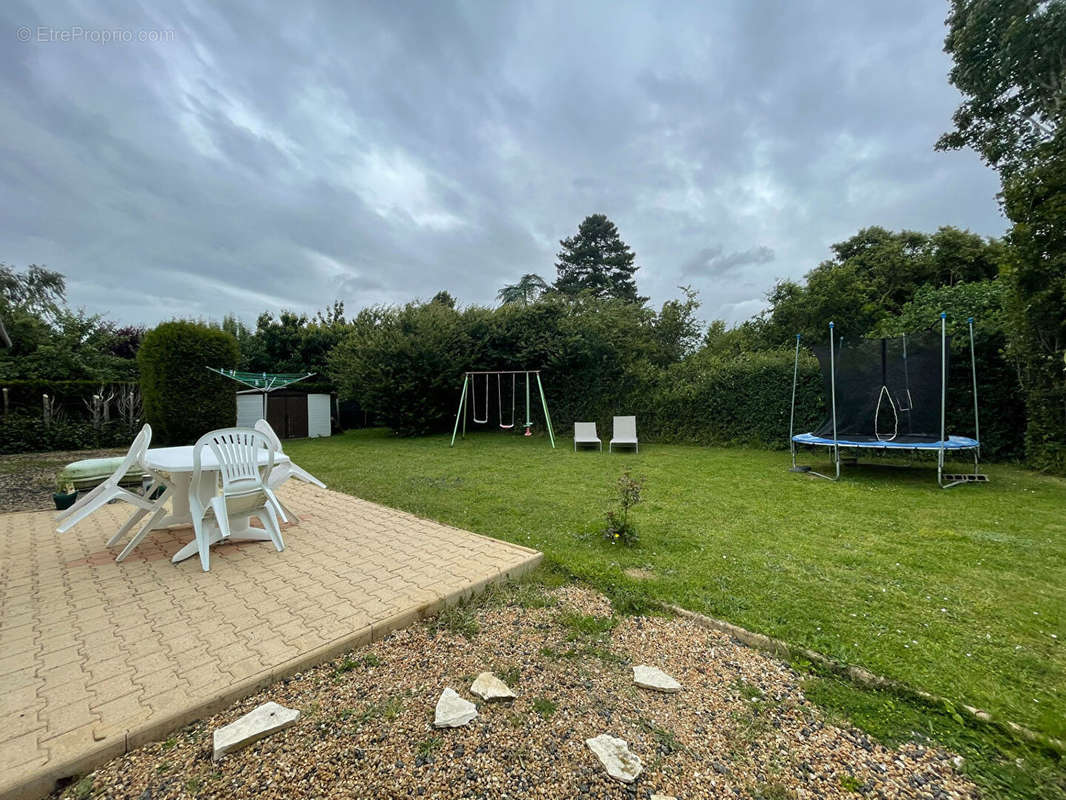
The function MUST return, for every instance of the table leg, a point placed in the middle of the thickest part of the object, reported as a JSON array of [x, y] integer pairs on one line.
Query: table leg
[[179, 502], [239, 529]]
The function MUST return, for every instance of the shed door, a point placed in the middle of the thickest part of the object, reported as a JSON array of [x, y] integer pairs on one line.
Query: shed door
[[287, 415], [318, 414]]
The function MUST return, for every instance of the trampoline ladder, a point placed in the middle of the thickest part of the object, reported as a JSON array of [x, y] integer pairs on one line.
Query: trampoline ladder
[[953, 479]]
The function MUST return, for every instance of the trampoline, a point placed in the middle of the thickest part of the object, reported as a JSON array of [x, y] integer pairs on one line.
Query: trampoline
[[953, 443], [885, 395]]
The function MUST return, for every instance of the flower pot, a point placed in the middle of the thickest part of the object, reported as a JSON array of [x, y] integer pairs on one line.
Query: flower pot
[[64, 500]]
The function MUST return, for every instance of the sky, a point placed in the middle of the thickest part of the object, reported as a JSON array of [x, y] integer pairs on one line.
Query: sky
[[196, 159]]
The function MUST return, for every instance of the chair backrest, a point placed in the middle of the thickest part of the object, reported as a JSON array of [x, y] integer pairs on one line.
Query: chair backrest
[[281, 472], [625, 427], [264, 428], [238, 452], [135, 455], [585, 430]]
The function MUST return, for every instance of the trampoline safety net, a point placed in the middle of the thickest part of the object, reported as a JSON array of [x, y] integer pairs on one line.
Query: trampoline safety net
[[887, 390]]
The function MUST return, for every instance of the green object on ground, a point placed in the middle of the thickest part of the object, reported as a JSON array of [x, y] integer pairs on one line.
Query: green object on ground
[[91, 472]]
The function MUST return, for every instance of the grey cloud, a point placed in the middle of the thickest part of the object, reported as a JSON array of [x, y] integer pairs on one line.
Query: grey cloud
[[713, 262], [369, 153]]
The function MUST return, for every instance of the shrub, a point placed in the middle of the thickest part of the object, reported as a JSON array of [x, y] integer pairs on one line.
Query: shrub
[[182, 398], [620, 528]]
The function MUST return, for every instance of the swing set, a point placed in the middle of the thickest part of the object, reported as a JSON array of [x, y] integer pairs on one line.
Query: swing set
[[471, 381]]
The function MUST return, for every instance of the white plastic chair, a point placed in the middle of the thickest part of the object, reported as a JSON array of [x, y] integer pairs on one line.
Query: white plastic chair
[[244, 492], [110, 490], [625, 433], [585, 433], [286, 469]]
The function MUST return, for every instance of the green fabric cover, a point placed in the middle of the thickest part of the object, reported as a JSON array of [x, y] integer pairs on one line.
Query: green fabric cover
[[93, 471]]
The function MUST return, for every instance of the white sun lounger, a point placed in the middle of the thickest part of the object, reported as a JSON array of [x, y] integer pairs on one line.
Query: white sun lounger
[[625, 433], [585, 433]]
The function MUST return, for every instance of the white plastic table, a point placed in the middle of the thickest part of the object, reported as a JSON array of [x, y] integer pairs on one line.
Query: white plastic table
[[176, 462]]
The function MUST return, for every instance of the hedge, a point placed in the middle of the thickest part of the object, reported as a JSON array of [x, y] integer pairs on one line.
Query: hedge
[[739, 400], [182, 398], [405, 367], [26, 433]]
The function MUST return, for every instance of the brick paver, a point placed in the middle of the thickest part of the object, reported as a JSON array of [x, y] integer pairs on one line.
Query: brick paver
[[98, 657]]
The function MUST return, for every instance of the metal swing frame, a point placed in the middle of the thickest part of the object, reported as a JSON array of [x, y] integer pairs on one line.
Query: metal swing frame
[[944, 480], [469, 382]]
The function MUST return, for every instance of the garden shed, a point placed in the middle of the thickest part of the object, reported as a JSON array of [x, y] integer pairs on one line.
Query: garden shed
[[293, 413]]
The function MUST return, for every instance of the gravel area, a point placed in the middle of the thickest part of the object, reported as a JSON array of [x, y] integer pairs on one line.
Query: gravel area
[[740, 727], [27, 480]]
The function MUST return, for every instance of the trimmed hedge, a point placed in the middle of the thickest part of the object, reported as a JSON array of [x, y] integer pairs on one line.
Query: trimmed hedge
[[739, 400], [27, 433], [182, 398], [405, 368]]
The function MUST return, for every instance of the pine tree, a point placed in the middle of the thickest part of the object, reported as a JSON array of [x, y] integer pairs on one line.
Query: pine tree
[[597, 261]]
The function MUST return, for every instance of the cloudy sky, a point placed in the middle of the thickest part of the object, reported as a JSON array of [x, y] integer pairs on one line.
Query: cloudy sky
[[217, 158]]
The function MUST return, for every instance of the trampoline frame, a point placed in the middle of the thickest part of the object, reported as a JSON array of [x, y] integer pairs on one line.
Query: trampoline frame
[[953, 443]]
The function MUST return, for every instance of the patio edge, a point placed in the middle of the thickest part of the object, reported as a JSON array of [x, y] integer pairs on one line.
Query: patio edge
[[45, 782]]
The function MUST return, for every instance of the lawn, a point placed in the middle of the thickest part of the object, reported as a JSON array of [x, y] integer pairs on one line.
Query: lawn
[[958, 592]]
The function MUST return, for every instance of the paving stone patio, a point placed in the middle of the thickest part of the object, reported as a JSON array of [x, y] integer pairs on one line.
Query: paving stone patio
[[98, 657]]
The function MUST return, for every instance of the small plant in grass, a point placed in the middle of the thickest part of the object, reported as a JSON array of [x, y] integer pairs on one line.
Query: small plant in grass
[[774, 790], [426, 749], [667, 739], [192, 786], [388, 709], [620, 529], [545, 707], [747, 690], [365, 660], [83, 788], [459, 619], [850, 783], [509, 674], [580, 626]]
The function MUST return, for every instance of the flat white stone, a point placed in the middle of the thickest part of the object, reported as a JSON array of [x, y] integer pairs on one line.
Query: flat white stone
[[253, 726], [453, 711], [654, 678], [488, 687], [614, 754], [663, 797]]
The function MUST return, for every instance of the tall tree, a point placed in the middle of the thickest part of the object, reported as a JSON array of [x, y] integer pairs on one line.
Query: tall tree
[[597, 261], [444, 298], [37, 292], [529, 287], [1010, 65], [872, 275]]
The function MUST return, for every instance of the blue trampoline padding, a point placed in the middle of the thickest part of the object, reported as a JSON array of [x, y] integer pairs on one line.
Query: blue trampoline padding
[[953, 443]]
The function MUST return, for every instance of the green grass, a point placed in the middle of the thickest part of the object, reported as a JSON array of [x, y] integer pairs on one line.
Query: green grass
[[1001, 765], [956, 592], [545, 707], [580, 626]]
